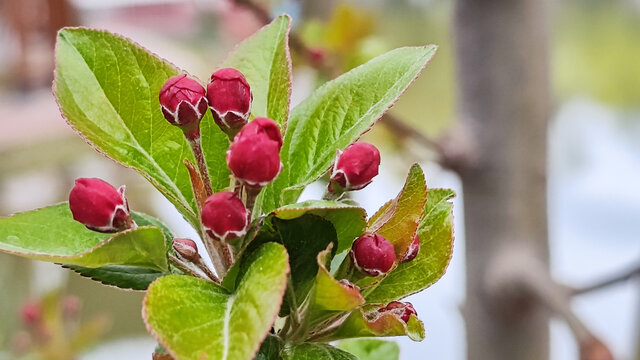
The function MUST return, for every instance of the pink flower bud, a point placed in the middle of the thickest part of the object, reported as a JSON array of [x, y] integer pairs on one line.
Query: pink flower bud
[[186, 248], [224, 216], [254, 155], [404, 310], [230, 99], [31, 313], [373, 254], [183, 102], [264, 126], [349, 284], [354, 167], [413, 250], [99, 206]]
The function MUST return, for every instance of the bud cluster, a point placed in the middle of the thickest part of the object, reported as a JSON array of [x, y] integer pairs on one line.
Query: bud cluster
[[184, 101]]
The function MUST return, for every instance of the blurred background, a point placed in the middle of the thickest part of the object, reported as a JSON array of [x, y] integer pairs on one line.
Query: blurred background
[[593, 160]]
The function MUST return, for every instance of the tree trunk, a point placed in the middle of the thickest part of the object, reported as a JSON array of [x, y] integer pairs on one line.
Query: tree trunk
[[502, 55]]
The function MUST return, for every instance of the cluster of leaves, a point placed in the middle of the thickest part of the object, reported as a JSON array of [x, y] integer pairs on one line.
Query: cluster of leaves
[[283, 297]]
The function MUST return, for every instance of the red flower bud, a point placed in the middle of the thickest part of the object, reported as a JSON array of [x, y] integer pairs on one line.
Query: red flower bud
[[183, 102], [349, 284], [230, 99], [355, 167], [31, 313], [254, 155], [224, 216], [264, 126], [373, 254], [99, 206], [187, 249], [413, 250], [404, 310]]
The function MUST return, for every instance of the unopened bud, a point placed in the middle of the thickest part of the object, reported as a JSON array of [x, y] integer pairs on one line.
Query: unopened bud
[[187, 249], [262, 126], [224, 216], [413, 250], [403, 310], [354, 167], [183, 102], [373, 254], [230, 99], [349, 284], [254, 155], [99, 206]]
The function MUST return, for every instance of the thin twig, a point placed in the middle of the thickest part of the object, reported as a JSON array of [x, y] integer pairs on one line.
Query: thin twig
[[196, 146], [620, 277], [516, 273]]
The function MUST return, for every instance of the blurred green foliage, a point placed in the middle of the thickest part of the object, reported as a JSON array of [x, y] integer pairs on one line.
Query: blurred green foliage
[[596, 52]]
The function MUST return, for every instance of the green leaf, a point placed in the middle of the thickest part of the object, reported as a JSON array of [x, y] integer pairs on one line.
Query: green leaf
[[336, 114], [329, 295], [359, 324], [127, 277], [51, 234], [270, 349], [348, 220], [143, 219], [371, 349], [124, 277], [195, 319], [308, 351], [397, 221], [107, 89], [304, 238], [265, 61], [436, 245]]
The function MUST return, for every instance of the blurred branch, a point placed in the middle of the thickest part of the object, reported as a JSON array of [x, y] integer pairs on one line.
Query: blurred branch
[[517, 275], [620, 277], [454, 160]]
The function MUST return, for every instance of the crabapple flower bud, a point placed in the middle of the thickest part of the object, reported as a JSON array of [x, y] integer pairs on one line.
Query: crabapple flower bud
[[254, 155], [413, 250], [354, 167], [99, 206], [404, 310], [349, 284], [230, 99], [224, 216], [373, 254], [264, 126], [183, 102], [187, 249]]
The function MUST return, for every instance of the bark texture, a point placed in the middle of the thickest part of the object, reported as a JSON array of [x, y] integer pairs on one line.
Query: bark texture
[[502, 55]]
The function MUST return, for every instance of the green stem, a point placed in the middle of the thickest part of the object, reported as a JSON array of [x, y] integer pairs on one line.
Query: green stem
[[196, 146], [184, 267]]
